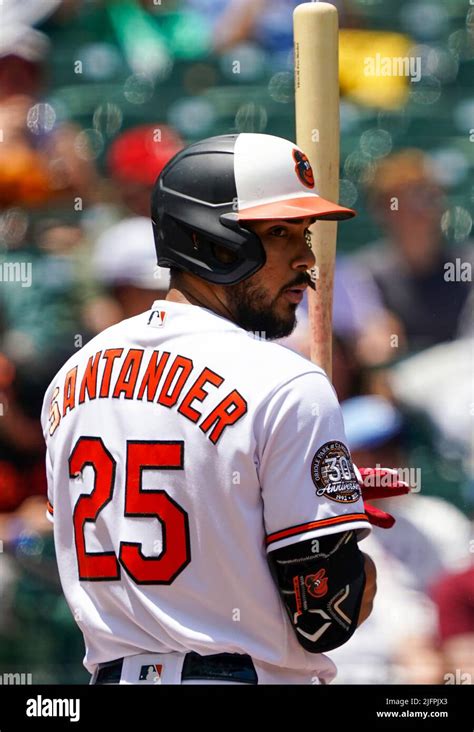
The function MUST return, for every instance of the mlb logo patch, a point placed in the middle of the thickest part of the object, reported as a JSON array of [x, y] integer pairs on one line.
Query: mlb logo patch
[[157, 318], [151, 673]]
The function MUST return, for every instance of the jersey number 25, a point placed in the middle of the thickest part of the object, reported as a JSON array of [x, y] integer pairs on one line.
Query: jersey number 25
[[176, 552]]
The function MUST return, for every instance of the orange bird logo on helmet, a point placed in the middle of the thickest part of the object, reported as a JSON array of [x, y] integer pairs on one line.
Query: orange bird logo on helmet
[[303, 168]]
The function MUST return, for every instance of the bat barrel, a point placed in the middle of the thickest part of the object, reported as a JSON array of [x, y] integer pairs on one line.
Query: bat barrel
[[316, 40]]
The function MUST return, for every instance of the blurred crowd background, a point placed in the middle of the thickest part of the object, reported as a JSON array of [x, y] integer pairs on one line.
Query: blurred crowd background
[[95, 97]]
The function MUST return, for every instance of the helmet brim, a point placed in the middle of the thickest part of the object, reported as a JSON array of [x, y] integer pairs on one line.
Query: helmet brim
[[295, 208]]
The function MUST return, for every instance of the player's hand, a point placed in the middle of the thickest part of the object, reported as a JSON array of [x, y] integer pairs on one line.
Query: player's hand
[[380, 483]]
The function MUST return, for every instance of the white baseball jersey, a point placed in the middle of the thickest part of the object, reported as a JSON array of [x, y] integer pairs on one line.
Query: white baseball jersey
[[180, 450]]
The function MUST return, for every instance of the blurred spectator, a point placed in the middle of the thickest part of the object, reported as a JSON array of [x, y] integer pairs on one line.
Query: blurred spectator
[[438, 382], [124, 258], [21, 445], [46, 178], [41, 164], [359, 318], [136, 158], [466, 322], [32, 598], [359, 314], [41, 160], [348, 376], [42, 296], [20, 43], [268, 22], [125, 264], [371, 656], [409, 267], [42, 324], [429, 538], [453, 595]]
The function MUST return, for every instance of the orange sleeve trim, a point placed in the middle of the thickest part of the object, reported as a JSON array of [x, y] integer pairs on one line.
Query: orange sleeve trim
[[302, 528], [50, 508]]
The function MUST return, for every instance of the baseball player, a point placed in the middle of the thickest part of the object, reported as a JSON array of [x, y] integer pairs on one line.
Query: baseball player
[[206, 510]]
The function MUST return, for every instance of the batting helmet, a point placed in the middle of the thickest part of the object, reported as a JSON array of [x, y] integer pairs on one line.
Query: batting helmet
[[207, 192]]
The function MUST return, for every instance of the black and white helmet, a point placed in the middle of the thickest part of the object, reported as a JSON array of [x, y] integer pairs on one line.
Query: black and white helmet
[[208, 190]]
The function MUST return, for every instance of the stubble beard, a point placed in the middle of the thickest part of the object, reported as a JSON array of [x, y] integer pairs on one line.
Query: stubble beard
[[254, 312]]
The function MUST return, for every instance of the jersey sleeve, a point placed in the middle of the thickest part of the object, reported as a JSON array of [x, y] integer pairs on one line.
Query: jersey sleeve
[[308, 483]]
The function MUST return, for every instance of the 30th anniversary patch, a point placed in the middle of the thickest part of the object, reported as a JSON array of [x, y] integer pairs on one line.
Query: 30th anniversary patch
[[333, 473]]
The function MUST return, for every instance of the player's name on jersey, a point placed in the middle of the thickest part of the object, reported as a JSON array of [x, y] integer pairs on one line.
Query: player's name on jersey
[[169, 381]]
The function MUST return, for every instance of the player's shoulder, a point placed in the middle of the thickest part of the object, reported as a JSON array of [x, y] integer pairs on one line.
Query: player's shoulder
[[245, 351], [284, 379], [282, 361], [266, 364]]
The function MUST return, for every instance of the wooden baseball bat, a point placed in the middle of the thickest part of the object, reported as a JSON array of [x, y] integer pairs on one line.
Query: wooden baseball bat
[[316, 35]]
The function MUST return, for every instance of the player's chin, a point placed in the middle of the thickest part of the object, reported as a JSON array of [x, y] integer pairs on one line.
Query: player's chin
[[287, 309], [282, 325]]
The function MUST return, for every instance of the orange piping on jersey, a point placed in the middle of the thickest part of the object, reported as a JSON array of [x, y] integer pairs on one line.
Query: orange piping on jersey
[[301, 528], [50, 508]]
